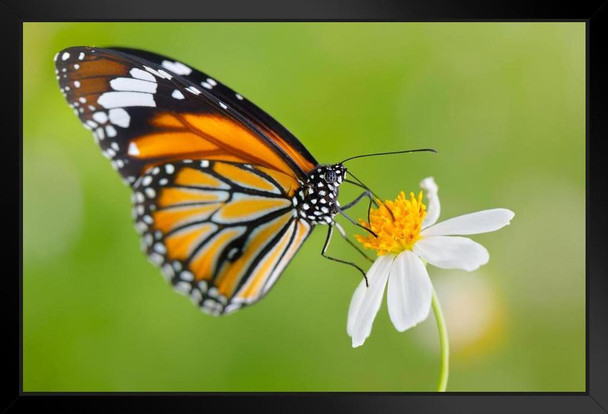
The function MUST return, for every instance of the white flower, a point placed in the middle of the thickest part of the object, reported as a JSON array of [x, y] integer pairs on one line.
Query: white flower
[[407, 235]]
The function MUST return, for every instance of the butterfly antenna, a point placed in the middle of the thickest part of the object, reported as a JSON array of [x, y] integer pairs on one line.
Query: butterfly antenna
[[376, 154]]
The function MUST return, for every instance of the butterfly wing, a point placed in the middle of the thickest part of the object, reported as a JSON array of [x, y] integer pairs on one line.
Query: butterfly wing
[[221, 228], [144, 114], [220, 232], [271, 128]]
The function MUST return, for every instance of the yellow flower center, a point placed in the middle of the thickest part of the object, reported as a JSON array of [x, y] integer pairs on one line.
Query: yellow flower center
[[397, 224]]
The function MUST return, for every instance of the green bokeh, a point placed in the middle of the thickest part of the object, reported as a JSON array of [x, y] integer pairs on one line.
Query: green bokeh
[[504, 103]]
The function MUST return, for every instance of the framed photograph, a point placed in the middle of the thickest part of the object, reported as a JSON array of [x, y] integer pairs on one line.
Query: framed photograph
[[398, 213]]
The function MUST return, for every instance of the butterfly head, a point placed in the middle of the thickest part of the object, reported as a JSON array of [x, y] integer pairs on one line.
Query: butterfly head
[[317, 200]]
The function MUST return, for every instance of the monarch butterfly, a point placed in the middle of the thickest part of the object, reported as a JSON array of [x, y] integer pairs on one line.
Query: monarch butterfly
[[223, 195]]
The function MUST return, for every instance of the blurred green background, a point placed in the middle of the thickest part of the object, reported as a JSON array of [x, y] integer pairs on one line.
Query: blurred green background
[[504, 103]]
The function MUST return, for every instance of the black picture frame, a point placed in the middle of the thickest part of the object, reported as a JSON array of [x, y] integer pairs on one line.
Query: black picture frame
[[13, 13]]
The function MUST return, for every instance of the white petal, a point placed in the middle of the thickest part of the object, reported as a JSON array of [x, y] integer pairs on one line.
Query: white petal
[[362, 290], [366, 300], [355, 305], [409, 291], [474, 223], [451, 252], [434, 207]]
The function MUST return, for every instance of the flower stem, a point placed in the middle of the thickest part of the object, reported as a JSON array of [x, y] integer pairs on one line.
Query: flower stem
[[445, 346]]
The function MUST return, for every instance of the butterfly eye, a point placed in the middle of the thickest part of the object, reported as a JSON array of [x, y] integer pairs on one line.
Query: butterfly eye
[[331, 176]]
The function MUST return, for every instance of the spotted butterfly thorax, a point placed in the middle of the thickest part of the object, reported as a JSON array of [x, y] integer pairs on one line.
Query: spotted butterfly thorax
[[317, 199], [223, 195]]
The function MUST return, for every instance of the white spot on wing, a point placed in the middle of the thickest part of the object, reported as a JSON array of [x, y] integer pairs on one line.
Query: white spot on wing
[[100, 135], [142, 74], [110, 131], [133, 85], [177, 94], [100, 117], [65, 56], [186, 275], [119, 117], [125, 99], [176, 67], [134, 151], [193, 90]]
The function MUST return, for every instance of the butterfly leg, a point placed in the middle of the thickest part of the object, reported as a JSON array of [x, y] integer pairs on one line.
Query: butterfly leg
[[349, 241], [367, 194], [355, 223], [330, 231], [359, 198]]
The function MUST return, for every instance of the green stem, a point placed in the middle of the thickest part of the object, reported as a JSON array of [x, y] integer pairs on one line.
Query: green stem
[[445, 346]]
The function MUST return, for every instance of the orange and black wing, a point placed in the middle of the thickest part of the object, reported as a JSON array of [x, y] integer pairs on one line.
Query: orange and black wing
[[146, 110], [220, 232], [276, 132]]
